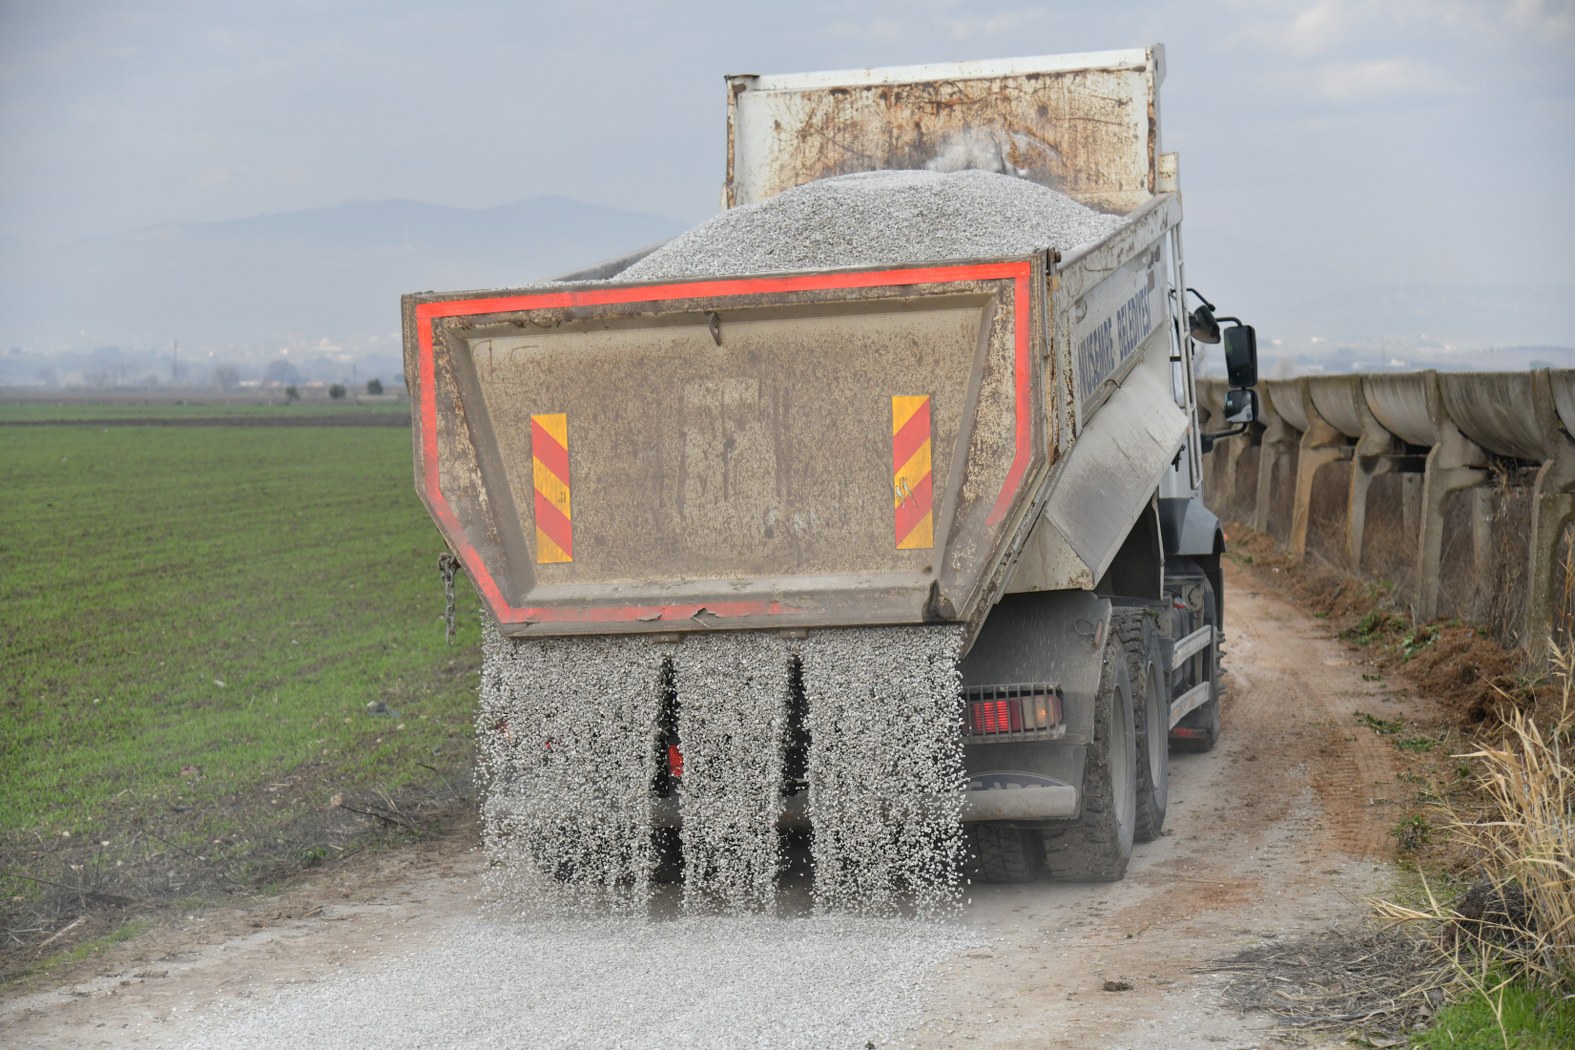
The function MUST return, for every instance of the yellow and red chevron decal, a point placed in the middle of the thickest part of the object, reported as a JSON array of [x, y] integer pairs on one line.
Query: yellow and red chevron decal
[[910, 464], [549, 450]]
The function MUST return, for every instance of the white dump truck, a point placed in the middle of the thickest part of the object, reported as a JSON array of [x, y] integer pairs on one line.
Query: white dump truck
[[1006, 445]]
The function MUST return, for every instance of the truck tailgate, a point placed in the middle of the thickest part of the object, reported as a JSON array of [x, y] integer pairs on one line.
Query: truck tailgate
[[836, 448]]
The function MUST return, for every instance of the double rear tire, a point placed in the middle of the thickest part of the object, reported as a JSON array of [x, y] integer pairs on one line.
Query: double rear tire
[[1002, 854], [1151, 717], [1097, 846]]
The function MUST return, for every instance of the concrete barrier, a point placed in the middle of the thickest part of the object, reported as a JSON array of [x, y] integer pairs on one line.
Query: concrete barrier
[[1433, 440]]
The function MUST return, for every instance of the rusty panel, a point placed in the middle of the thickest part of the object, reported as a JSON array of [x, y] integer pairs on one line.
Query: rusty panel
[[730, 443], [1090, 132]]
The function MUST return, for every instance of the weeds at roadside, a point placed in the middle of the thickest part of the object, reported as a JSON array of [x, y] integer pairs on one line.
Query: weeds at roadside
[[1382, 726], [1484, 954], [1374, 626], [1417, 639], [1508, 943], [1411, 833]]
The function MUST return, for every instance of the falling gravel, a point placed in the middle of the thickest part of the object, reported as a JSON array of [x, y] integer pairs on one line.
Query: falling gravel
[[567, 754], [885, 768], [571, 734], [880, 217], [732, 690]]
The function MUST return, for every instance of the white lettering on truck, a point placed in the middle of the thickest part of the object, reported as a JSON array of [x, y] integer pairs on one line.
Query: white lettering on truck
[[1110, 342]]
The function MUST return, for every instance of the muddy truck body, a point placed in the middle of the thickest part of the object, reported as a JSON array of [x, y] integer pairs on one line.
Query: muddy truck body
[[1008, 445]]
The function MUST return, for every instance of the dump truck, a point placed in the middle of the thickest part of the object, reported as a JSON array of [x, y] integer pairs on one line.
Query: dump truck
[[1008, 447]]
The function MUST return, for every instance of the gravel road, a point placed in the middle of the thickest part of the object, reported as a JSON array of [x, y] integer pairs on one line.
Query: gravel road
[[1279, 831]]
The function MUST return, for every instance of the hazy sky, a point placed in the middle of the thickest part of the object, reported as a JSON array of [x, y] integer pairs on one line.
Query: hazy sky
[[1389, 141]]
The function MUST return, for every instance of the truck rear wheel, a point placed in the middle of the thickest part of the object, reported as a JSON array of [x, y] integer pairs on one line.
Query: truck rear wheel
[[1098, 844], [1001, 854], [1150, 719], [1199, 730]]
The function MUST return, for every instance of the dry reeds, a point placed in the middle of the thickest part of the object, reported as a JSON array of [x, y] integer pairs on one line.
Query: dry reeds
[[1515, 925], [1517, 922]]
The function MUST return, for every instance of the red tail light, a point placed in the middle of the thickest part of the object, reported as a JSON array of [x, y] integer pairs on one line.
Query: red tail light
[[997, 716], [675, 760], [1015, 709]]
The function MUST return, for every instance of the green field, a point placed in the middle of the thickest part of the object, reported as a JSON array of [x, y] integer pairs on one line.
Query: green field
[[315, 410], [193, 623]]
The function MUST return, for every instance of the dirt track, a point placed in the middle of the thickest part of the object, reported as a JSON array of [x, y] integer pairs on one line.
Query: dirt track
[[1280, 830]]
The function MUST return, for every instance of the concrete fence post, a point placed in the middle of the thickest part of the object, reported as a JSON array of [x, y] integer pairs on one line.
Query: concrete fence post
[[1321, 444], [1552, 508], [1455, 463], [1279, 441]]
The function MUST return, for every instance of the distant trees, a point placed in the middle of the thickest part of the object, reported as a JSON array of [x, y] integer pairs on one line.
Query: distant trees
[[226, 377], [374, 387], [336, 392], [291, 393], [281, 371]]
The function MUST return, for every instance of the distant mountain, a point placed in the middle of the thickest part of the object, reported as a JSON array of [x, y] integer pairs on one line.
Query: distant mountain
[[333, 273]]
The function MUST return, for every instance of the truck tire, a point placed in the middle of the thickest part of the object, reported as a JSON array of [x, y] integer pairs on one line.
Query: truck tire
[[1200, 728], [1001, 854], [1098, 844], [1150, 718]]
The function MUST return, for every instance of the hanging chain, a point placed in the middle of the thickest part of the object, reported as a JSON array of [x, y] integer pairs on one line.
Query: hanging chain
[[448, 565]]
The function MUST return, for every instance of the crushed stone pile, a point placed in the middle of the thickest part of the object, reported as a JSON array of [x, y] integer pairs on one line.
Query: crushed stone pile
[[878, 218]]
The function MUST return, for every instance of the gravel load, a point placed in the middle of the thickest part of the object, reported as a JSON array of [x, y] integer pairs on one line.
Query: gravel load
[[880, 217], [732, 692], [566, 744], [885, 768], [726, 982]]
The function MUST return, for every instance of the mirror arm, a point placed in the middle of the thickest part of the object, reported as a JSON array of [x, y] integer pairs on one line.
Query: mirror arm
[[1239, 428]]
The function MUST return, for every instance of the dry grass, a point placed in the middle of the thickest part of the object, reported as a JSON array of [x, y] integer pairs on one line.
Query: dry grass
[[1506, 809], [1516, 925], [1379, 981], [1511, 933]]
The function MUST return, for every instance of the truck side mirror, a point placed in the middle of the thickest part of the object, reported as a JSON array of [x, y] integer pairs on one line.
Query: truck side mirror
[[1241, 356], [1241, 407], [1202, 326]]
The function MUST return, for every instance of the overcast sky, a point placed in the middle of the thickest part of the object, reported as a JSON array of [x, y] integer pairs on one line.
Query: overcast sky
[[1385, 141]]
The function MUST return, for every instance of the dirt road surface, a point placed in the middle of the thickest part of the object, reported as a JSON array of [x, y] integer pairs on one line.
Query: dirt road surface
[[1281, 830]]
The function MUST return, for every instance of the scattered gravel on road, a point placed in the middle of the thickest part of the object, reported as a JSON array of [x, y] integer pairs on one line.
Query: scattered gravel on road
[[725, 982], [880, 217]]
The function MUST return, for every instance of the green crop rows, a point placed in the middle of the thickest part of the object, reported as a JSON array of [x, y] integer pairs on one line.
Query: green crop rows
[[194, 622]]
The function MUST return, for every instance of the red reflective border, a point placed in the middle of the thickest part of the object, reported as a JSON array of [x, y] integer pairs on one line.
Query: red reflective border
[[427, 315]]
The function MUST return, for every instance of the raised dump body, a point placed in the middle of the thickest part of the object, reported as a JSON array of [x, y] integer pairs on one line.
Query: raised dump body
[[1003, 448]]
